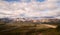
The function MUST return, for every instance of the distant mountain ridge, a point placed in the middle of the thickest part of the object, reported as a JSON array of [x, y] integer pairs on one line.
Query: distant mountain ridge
[[6, 20], [33, 19]]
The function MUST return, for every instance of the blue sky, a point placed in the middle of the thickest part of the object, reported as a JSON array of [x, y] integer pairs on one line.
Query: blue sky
[[11, 0], [25, 1], [20, 8], [40, 0]]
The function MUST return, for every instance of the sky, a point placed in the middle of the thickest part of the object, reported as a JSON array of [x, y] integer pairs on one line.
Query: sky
[[30, 8]]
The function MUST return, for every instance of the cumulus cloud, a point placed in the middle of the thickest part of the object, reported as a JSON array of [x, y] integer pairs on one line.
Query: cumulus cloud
[[30, 8]]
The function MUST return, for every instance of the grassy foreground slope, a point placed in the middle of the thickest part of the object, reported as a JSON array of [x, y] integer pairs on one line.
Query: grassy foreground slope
[[27, 28]]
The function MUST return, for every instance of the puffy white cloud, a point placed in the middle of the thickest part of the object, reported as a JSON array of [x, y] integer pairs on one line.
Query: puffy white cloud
[[31, 9]]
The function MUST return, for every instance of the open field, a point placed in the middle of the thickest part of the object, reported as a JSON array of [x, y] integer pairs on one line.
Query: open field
[[28, 28]]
